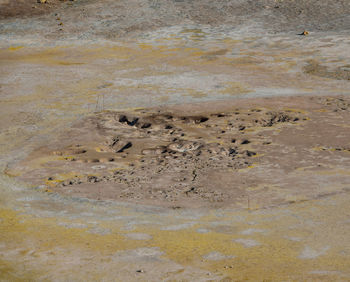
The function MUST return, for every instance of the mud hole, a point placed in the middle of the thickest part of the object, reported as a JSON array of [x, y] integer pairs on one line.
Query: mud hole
[[162, 157]]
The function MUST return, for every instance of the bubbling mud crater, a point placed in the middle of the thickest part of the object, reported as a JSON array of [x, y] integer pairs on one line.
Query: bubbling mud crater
[[163, 157]]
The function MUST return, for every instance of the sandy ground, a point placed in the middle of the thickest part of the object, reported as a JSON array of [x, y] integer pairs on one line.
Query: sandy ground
[[174, 140]]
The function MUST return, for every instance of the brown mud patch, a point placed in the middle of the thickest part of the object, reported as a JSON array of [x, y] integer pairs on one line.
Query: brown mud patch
[[248, 153]]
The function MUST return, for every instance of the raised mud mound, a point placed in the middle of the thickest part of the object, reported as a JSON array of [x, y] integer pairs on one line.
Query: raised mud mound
[[168, 156], [178, 159], [157, 156]]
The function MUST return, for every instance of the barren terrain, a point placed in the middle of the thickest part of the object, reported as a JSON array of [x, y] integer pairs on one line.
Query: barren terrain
[[174, 140]]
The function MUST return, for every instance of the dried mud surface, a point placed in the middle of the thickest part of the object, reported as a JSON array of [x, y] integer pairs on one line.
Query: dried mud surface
[[198, 156]]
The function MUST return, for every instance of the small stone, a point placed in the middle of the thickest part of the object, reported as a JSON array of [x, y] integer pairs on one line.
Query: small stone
[[250, 153], [304, 33], [140, 271]]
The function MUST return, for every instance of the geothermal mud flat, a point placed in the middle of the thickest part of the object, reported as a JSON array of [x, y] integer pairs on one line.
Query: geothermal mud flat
[[210, 158], [174, 140]]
